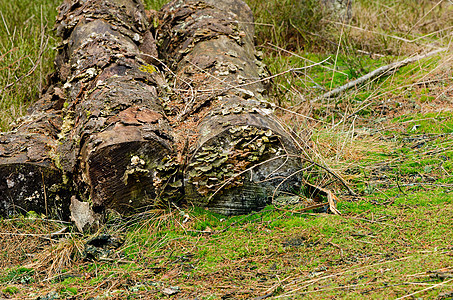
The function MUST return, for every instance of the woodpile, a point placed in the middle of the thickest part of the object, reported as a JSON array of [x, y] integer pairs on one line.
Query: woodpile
[[130, 122]]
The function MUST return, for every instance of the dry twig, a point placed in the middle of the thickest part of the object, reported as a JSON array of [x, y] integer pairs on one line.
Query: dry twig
[[428, 288], [384, 70]]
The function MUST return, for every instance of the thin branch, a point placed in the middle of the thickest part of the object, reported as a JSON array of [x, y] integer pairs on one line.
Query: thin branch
[[301, 57], [259, 80], [424, 290], [394, 36], [384, 70]]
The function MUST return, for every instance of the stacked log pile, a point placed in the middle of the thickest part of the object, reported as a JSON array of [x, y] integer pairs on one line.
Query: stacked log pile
[[113, 132]]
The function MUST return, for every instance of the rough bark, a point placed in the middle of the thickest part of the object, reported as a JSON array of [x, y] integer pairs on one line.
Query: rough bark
[[107, 130], [112, 140], [115, 140], [29, 180], [241, 156]]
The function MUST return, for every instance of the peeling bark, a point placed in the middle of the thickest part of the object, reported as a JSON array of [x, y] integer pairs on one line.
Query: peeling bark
[[101, 128], [115, 139], [242, 157], [111, 132], [29, 180]]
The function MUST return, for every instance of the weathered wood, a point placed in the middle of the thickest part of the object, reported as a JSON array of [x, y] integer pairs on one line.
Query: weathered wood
[[29, 180], [107, 131], [242, 156], [115, 140]]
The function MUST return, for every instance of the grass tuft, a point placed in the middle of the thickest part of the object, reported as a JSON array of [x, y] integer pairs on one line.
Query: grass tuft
[[26, 54]]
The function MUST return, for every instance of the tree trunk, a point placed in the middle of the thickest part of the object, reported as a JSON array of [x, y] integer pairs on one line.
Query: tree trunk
[[29, 180], [240, 156], [110, 130], [112, 140], [115, 139]]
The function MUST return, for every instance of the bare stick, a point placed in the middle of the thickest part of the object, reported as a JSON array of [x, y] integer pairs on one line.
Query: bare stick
[[384, 70], [428, 288]]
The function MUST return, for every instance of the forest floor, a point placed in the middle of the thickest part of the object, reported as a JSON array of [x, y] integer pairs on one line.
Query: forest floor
[[390, 140]]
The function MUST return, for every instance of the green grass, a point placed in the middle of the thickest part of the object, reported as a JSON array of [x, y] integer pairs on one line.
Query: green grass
[[10, 290], [26, 54], [430, 123], [154, 4], [19, 275], [390, 140], [294, 24], [374, 249]]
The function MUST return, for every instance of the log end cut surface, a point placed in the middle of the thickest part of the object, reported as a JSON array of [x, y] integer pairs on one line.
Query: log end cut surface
[[34, 187], [29, 180], [242, 168], [129, 170]]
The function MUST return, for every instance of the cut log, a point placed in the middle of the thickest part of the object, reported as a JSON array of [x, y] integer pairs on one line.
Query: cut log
[[115, 140], [29, 180], [107, 131], [112, 140], [241, 157]]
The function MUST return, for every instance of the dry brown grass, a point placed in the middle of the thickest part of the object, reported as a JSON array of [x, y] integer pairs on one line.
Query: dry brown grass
[[400, 27], [57, 257]]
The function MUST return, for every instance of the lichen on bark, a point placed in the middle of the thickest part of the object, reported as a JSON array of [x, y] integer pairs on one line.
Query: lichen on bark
[[239, 154], [117, 134], [114, 113]]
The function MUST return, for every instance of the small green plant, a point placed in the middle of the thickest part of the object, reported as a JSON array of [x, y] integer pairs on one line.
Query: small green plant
[[10, 290], [154, 4], [69, 291], [19, 275]]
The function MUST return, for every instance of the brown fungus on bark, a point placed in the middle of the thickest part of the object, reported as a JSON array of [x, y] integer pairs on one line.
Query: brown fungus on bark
[[115, 139], [241, 155], [116, 135], [112, 138]]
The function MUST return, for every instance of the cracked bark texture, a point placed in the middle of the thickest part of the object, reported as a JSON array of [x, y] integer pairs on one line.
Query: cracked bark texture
[[115, 140], [107, 128], [29, 180], [99, 132], [242, 157]]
